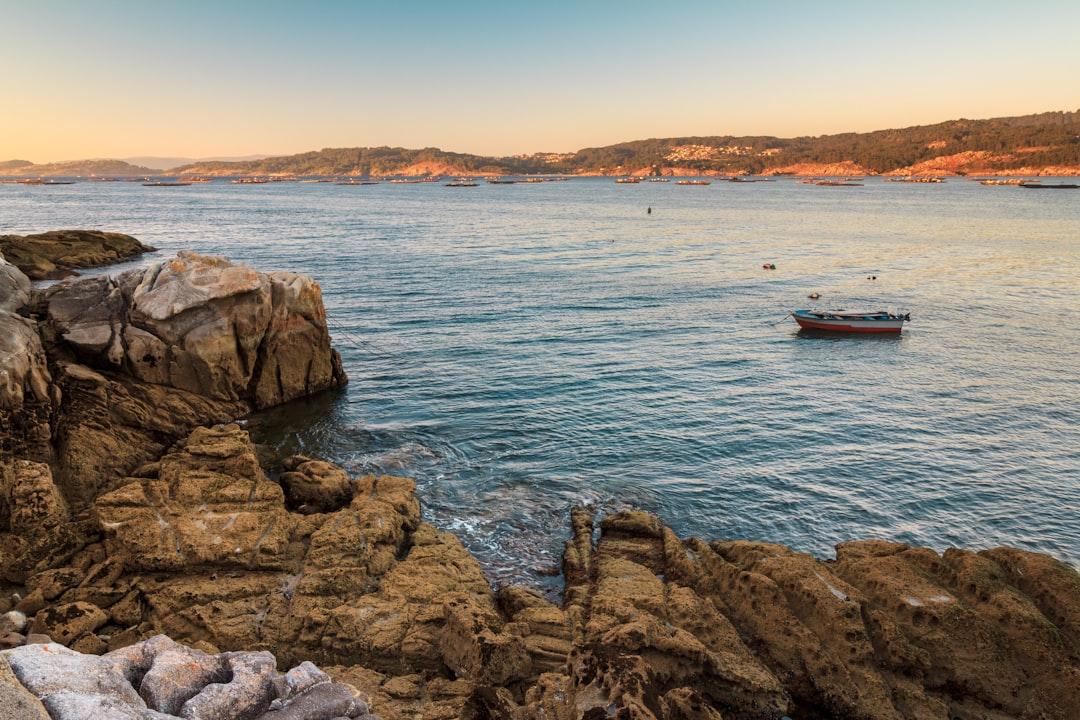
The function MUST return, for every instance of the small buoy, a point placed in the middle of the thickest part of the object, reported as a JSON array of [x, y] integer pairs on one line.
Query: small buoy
[[649, 211], [769, 266], [813, 296]]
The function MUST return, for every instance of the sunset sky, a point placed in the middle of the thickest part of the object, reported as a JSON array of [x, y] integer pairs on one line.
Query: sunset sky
[[99, 78]]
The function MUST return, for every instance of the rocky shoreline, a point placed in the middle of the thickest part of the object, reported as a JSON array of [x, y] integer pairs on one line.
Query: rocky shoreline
[[57, 254], [156, 563]]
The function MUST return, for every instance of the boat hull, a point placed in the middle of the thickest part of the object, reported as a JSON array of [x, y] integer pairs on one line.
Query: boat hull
[[851, 326]]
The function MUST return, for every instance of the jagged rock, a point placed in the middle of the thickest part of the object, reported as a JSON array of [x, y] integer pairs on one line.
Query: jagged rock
[[203, 325], [159, 679], [54, 254], [687, 629], [314, 486]]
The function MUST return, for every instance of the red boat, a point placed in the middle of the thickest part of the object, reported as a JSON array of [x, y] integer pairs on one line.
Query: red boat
[[847, 321]]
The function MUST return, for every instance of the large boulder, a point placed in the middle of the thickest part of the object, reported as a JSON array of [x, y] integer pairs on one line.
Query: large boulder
[[56, 254], [203, 325]]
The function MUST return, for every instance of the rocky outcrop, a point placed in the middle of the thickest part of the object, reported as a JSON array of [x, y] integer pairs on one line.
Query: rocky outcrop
[[58, 253], [124, 516], [202, 547], [203, 325], [671, 628], [205, 547], [26, 398], [158, 679]]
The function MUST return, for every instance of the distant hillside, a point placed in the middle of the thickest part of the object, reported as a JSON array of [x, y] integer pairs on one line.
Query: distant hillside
[[366, 161], [75, 168], [1025, 144], [164, 163], [1046, 143], [1041, 144]]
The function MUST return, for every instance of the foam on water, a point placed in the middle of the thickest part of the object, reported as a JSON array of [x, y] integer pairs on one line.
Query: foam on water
[[521, 348]]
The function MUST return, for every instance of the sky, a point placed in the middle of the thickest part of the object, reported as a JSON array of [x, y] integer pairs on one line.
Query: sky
[[199, 78]]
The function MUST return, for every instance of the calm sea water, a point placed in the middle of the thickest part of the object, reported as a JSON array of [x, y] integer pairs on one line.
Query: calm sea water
[[519, 349]]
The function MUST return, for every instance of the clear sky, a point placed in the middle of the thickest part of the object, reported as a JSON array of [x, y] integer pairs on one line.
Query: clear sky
[[117, 78]]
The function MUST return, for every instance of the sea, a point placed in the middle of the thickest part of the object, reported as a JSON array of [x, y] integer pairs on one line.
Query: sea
[[521, 349]]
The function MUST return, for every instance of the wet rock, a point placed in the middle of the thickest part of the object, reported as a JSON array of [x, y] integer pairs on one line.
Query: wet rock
[[55, 254]]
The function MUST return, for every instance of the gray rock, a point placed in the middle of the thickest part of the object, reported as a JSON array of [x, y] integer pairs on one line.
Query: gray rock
[[325, 700], [16, 702], [82, 706], [178, 675], [65, 680], [301, 678], [174, 681], [246, 696]]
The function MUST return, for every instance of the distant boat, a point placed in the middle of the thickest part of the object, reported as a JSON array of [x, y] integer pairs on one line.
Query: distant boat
[[164, 183], [57, 182], [501, 181], [250, 181], [846, 321], [999, 181], [358, 182], [1036, 185], [694, 182], [658, 179], [628, 181], [837, 183], [461, 182]]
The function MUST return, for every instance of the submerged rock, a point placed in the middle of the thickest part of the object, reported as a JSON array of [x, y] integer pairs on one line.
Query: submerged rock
[[57, 253]]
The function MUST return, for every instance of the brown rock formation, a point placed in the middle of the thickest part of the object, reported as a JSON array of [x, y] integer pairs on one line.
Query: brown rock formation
[[57, 253], [203, 547], [103, 375]]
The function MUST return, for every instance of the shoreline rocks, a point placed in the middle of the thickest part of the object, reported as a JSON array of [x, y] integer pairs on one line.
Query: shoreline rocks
[[132, 511], [203, 547], [57, 254], [158, 679]]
